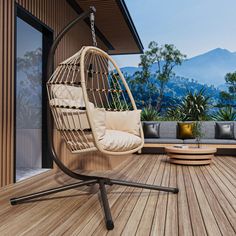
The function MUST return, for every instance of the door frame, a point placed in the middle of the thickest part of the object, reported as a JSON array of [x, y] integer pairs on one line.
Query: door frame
[[47, 41]]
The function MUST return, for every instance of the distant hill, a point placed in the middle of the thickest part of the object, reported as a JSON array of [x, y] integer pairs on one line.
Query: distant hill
[[208, 68]]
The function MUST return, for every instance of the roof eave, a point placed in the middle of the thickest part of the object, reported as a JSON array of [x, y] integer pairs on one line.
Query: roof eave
[[130, 23]]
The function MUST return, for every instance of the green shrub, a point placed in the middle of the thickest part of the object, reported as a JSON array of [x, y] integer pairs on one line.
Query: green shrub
[[225, 114], [149, 114]]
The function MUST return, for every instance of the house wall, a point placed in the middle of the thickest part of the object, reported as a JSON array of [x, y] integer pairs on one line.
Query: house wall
[[55, 14]]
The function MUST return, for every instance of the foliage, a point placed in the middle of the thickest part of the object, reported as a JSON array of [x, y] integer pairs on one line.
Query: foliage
[[225, 114], [143, 80], [229, 98], [174, 114], [194, 107], [198, 132], [165, 58], [149, 114]]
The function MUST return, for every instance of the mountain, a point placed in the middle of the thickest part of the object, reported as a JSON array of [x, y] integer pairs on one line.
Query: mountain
[[208, 68]]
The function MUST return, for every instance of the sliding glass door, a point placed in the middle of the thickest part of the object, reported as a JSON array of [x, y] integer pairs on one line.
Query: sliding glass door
[[30, 148]]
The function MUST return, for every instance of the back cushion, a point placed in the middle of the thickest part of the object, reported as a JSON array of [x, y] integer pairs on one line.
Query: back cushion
[[67, 92], [99, 121], [151, 130], [185, 130], [127, 121], [168, 129], [208, 129]]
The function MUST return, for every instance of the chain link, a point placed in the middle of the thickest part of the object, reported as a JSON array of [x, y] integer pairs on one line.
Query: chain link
[[92, 19]]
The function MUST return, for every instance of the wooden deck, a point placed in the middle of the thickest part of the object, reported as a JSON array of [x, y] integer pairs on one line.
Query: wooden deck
[[205, 204]]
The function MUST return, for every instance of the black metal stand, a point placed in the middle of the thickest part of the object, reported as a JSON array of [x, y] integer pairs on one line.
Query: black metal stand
[[102, 186], [86, 180]]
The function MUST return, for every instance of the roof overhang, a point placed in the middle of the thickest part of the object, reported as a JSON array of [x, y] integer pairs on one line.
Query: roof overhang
[[113, 25]]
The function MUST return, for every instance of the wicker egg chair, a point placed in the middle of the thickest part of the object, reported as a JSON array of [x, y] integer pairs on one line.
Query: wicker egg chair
[[94, 110]]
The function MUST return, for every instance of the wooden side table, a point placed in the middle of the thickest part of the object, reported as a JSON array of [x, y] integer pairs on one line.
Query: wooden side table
[[190, 155]]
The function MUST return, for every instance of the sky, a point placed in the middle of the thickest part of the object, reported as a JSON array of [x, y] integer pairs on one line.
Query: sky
[[193, 26]]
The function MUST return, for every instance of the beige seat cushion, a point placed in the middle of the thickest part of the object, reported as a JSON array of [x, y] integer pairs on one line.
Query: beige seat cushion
[[127, 121], [119, 141]]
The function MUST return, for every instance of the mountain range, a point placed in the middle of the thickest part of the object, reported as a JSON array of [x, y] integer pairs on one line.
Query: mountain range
[[208, 68]]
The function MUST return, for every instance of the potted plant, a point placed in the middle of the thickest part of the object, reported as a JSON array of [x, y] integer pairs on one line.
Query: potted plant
[[197, 132]]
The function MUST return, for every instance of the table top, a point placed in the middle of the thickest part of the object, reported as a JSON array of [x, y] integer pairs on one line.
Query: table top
[[192, 150]]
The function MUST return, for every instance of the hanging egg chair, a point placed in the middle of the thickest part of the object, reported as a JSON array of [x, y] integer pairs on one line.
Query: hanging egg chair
[[92, 105], [94, 110]]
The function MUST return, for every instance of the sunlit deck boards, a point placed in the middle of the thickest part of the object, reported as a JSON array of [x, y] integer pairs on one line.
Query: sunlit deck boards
[[205, 205]]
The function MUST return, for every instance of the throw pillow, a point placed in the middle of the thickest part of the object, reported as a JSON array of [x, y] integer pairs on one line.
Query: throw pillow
[[99, 121], [127, 121], [185, 130], [151, 129], [224, 130]]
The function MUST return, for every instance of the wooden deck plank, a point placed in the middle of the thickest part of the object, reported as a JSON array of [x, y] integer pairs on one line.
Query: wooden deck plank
[[158, 224], [145, 225], [227, 173], [171, 227], [225, 204], [79, 218], [220, 216], [118, 205], [227, 167], [127, 209], [208, 217], [224, 179], [185, 224], [113, 197], [224, 188], [136, 215], [205, 205], [230, 160], [198, 225], [37, 209]]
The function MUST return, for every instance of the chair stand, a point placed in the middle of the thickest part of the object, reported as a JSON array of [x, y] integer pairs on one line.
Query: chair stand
[[102, 182], [84, 180]]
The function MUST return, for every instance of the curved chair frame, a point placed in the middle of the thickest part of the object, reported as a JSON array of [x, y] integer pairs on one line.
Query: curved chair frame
[[84, 179]]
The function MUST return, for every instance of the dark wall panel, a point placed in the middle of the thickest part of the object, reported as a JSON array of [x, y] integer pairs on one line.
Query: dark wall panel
[[55, 14]]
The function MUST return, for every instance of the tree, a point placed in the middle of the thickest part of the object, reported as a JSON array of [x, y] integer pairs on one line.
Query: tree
[[142, 79], [151, 85], [229, 98], [165, 58]]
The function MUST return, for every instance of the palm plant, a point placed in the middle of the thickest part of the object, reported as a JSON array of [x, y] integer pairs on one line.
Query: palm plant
[[195, 106], [149, 114], [225, 114]]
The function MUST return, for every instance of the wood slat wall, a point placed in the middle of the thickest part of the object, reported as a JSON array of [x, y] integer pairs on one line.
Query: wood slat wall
[[55, 14]]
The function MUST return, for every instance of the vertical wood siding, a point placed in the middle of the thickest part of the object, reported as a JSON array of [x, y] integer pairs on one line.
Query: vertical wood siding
[[55, 14]]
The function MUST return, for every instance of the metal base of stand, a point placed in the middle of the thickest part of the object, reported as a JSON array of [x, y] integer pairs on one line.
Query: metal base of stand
[[102, 185]]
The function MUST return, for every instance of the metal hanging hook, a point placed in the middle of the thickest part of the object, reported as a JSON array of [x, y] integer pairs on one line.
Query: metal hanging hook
[[92, 25]]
